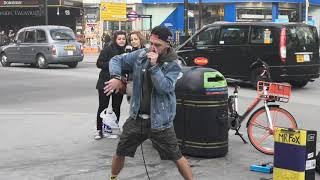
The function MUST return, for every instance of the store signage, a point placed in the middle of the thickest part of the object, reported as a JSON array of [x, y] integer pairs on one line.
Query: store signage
[[19, 12], [132, 15], [68, 3], [73, 3], [17, 3], [113, 11]]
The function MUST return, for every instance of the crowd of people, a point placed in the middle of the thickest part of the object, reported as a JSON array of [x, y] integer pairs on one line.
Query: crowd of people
[[6, 37], [155, 70]]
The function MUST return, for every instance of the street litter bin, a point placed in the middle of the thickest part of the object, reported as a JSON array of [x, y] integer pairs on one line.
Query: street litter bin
[[201, 117]]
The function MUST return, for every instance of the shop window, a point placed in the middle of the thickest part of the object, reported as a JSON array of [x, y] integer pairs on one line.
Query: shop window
[[254, 14], [207, 37], [261, 35], [234, 35], [29, 37], [41, 36]]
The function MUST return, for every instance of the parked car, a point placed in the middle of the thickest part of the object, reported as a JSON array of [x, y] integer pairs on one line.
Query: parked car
[[43, 45], [283, 52]]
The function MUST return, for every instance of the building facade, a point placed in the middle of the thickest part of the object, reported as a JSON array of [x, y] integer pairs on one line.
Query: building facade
[[171, 12], [17, 14]]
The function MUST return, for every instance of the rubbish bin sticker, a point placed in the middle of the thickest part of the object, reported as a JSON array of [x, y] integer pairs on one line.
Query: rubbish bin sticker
[[214, 83], [213, 80]]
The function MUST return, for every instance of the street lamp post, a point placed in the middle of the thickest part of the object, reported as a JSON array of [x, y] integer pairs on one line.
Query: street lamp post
[[307, 9], [200, 14], [186, 8], [44, 4]]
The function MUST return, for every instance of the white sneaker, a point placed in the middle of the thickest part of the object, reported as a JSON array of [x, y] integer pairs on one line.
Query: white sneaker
[[98, 135]]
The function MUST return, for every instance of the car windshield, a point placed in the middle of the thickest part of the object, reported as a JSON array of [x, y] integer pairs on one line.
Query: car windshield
[[62, 34]]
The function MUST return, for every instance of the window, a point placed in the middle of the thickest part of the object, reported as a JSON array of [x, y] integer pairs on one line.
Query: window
[[62, 34], [29, 37], [20, 36], [234, 35], [207, 37], [41, 36], [301, 37], [261, 35]]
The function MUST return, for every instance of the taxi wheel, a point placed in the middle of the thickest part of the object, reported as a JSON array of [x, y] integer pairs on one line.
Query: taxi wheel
[[4, 60], [72, 64], [42, 62], [33, 65]]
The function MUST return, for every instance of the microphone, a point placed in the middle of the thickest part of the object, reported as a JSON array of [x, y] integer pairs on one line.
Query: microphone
[[128, 49]]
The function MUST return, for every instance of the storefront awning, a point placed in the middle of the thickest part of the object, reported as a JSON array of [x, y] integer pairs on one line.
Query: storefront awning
[[66, 3], [21, 3], [313, 2]]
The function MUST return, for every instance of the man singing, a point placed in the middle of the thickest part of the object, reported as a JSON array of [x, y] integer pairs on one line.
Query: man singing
[[153, 105]]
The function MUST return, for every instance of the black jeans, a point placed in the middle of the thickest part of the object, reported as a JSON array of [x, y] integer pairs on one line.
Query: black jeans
[[103, 104]]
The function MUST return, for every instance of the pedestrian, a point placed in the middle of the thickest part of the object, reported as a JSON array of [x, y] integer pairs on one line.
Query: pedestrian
[[3, 39], [11, 36], [153, 104], [116, 47], [136, 41], [106, 39]]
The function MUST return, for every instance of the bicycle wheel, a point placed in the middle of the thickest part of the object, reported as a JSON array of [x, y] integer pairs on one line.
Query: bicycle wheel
[[260, 135]]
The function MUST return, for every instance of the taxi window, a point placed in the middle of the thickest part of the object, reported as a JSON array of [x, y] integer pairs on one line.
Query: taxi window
[[41, 36], [301, 36], [261, 35], [207, 37], [234, 35], [29, 37], [20, 36], [62, 34]]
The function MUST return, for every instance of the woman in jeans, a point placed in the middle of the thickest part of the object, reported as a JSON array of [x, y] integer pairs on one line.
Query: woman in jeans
[[116, 47]]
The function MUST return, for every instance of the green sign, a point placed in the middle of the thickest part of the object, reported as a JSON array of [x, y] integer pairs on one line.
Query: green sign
[[213, 80]]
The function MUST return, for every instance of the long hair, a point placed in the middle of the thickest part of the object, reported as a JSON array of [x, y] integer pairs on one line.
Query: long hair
[[116, 34], [143, 40]]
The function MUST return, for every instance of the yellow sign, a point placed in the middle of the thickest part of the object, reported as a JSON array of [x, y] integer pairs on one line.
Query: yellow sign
[[69, 47], [221, 11], [284, 174], [295, 137], [113, 11], [267, 36], [300, 58]]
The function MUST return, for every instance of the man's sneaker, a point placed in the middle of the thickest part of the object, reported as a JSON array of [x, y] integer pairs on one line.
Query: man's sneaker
[[99, 135], [113, 178], [111, 136]]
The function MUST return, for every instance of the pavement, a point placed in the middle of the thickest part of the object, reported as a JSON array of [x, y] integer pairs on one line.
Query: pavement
[[47, 122]]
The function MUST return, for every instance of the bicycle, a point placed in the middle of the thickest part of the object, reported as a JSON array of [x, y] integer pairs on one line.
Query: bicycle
[[262, 122]]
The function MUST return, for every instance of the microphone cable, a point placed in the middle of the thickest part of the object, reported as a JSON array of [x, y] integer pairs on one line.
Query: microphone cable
[[144, 161]]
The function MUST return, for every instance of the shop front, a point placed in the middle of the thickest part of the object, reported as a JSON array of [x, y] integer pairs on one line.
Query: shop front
[[66, 13], [17, 14], [231, 11]]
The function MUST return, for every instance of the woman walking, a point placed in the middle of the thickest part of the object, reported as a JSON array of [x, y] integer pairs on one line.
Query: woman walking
[[116, 47]]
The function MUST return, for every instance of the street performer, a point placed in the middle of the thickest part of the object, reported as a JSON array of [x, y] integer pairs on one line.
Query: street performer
[[153, 105]]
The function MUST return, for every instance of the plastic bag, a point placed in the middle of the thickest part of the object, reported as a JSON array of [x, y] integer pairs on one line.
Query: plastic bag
[[109, 126]]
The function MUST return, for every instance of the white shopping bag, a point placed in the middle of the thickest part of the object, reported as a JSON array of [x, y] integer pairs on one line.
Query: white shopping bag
[[109, 126]]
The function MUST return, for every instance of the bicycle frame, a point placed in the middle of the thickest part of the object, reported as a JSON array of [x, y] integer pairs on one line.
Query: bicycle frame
[[251, 107]]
